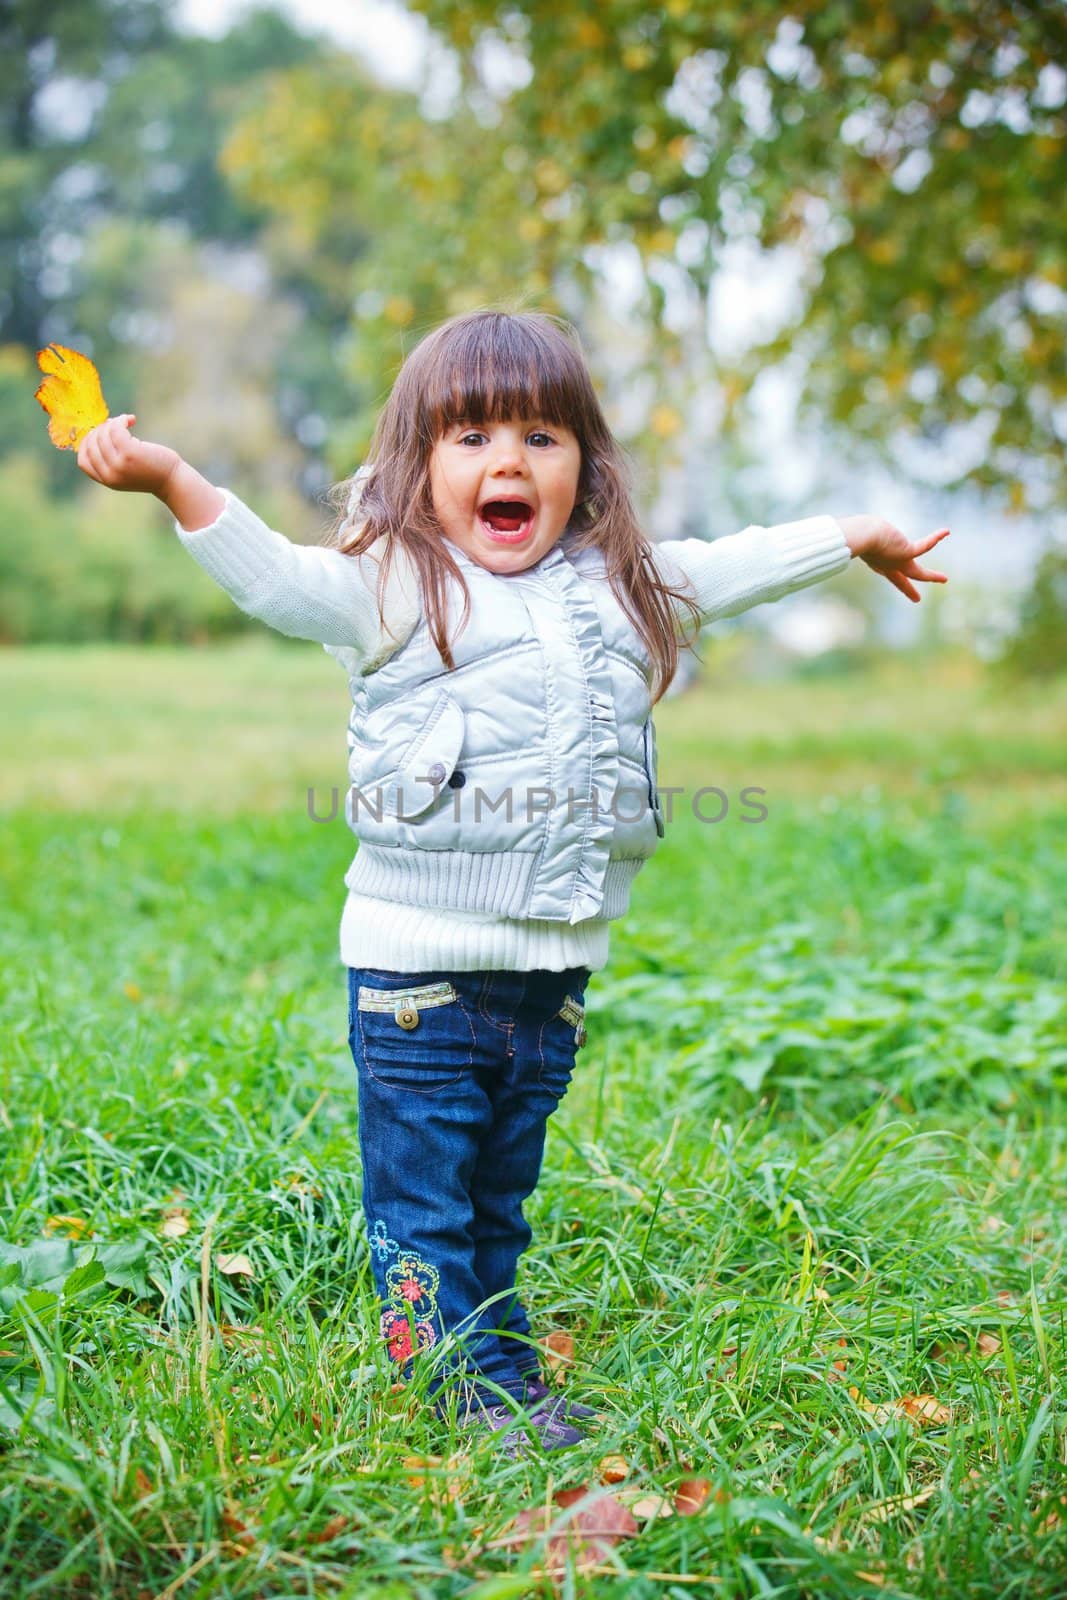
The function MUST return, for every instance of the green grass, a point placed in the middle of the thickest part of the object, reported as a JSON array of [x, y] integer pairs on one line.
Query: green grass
[[822, 1100]]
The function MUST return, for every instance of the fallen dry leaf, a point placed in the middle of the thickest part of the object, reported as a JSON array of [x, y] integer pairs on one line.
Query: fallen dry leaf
[[595, 1522], [559, 1351], [237, 1529], [235, 1266], [444, 1479], [691, 1496], [238, 1333], [69, 1227], [299, 1184], [644, 1504], [176, 1224], [614, 1469], [882, 1510], [925, 1408], [330, 1530], [921, 1408], [988, 1344], [417, 1468]]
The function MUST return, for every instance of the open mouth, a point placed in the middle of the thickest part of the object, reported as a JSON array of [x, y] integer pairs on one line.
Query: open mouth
[[507, 521]]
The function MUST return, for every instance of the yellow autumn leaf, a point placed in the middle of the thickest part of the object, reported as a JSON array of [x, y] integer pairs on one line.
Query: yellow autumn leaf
[[70, 1227], [71, 395]]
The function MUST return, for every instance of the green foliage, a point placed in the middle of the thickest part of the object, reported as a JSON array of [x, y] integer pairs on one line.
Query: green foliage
[[1038, 648], [101, 566]]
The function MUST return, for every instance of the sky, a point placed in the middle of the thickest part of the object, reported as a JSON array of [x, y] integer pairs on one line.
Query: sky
[[390, 39]]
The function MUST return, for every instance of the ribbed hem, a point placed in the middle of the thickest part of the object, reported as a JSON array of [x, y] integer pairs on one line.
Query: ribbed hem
[[397, 938], [494, 883]]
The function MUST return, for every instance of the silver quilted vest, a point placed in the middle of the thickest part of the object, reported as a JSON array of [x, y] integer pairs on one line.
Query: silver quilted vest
[[522, 783]]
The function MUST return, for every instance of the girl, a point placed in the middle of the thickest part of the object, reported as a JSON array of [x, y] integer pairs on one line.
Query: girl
[[506, 629]]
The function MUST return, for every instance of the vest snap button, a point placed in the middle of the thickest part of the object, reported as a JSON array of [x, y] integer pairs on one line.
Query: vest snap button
[[457, 780], [407, 1017], [436, 773]]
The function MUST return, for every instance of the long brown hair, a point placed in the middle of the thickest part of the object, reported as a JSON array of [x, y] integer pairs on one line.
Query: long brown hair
[[492, 366]]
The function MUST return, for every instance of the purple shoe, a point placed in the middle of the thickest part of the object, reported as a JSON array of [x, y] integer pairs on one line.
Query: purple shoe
[[538, 1393], [516, 1438]]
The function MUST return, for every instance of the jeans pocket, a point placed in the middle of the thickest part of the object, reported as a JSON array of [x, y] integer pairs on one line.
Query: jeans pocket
[[559, 1041], [416, 1037]]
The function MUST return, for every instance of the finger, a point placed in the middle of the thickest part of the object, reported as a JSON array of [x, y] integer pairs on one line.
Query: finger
[[899, 581], [113, 441], [105, 448], [927, 574], [92, 457], [922, 545]]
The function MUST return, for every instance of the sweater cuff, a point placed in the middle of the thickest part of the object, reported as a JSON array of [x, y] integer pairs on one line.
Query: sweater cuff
[[810, 550], [230, 549]]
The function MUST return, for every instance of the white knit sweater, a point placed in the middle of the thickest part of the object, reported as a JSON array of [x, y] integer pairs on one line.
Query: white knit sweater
[[313, 592]]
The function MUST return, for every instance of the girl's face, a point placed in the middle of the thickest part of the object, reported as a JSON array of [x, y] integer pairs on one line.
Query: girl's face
[[504, 491]]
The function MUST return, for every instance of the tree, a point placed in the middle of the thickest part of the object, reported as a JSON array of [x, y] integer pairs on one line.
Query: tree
[[109, 129], [911, 156]]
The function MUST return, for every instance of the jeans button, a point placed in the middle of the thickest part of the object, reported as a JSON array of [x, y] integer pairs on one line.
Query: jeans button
[[407, 1017]]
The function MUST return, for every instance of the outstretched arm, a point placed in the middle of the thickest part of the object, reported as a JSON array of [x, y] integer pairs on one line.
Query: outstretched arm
[[746, 569], [741, 570], [307, 591]]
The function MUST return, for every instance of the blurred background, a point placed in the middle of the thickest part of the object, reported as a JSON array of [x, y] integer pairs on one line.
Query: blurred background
[[815, 253]]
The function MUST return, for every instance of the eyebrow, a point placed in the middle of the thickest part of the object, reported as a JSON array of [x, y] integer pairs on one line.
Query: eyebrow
[[531, 422]]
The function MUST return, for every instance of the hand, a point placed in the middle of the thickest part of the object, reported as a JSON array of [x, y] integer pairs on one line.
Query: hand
[[111, 455], [888, 551]]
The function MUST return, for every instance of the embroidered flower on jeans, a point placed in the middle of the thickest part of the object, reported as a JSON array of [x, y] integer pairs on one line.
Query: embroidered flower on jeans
[[380, 1242], [396, 1331], [413, 1282]]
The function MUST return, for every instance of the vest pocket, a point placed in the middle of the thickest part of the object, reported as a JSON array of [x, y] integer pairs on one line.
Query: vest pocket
[[651, 772], [428, 762]]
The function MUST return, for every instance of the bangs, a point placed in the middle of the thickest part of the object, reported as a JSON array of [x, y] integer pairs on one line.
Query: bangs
[[497, 367]]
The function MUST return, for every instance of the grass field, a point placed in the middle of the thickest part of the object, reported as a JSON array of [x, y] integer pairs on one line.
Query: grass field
[[802, 1211]]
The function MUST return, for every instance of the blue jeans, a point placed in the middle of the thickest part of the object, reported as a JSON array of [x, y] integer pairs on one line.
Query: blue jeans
[[458, 1074]]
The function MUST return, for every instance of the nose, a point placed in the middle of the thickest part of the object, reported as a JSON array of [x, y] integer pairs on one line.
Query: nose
[[508, 459]]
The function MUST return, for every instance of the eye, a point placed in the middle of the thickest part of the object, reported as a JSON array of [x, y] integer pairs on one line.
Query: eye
[[465, 438], [540, 438]]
